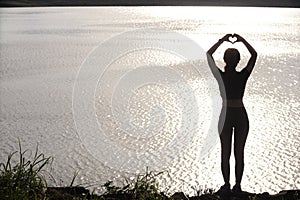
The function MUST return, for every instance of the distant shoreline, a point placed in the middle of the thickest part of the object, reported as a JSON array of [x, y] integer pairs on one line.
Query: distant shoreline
[[240, 3]]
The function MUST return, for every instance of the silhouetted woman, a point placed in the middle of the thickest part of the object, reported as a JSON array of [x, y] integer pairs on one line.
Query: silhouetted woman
[[233, 117]]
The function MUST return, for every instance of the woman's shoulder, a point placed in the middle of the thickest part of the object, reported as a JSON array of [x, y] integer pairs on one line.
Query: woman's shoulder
[[244, 71]]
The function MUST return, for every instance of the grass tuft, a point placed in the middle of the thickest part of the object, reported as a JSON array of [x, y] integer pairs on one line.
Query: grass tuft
[[23, 180], [143, 187]]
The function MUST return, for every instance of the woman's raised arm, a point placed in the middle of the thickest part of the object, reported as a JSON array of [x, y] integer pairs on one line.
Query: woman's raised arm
[[250, 65], [210, 58]]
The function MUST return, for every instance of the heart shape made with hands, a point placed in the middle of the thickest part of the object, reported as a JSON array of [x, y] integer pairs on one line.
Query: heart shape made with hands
[[232, 39]]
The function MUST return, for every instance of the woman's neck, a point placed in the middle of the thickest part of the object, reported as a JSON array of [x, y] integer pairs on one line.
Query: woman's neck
[[229, 68]]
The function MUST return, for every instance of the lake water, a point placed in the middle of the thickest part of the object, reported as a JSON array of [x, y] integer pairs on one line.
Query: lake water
[[148, 106]]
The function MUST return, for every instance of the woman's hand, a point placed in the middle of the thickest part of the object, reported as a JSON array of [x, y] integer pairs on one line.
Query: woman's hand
[[238, 38], [226, 38]]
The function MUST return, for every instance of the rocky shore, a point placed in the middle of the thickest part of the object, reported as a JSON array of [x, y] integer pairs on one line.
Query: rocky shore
[[78, 193]]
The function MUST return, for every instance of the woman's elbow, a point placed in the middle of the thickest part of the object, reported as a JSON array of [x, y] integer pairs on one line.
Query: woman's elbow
[[254, 54]]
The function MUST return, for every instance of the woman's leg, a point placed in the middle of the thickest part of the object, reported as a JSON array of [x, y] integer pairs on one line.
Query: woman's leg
[[241, 130], [225, 130]]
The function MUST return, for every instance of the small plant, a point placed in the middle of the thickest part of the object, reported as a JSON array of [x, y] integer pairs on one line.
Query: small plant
[[144, 187], [23, 180], [202, 191]]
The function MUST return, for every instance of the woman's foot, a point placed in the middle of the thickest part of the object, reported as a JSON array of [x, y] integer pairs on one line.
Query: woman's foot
[[237, 189], [224, 190]]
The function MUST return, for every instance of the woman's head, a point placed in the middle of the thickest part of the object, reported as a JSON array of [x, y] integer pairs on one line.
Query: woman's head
[[231, 57]]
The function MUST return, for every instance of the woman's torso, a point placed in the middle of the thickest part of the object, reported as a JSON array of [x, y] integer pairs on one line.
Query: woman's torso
[[234, 87]]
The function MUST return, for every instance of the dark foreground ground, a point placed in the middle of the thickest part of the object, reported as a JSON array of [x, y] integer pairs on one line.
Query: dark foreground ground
[[74, 193]]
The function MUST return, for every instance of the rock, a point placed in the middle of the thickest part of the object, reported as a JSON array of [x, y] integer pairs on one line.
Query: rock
[[66, 193], [206, 197], [118, 196], [288, 194], [179, 196]]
